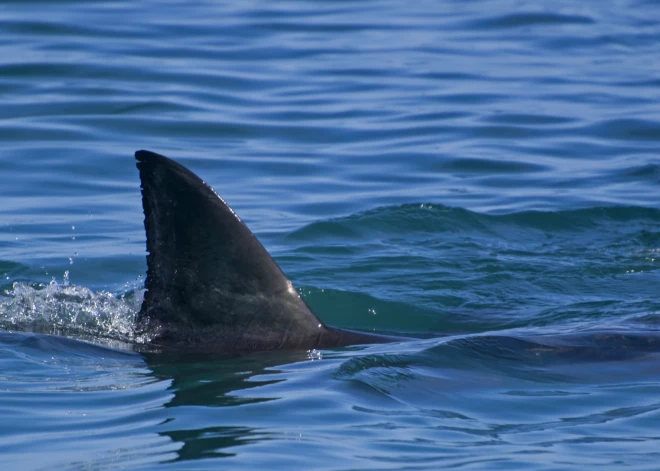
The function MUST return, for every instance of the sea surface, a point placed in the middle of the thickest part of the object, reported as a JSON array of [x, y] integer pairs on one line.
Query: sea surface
[[482, 176]]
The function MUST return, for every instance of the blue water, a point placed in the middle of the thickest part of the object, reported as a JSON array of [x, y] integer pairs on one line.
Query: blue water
[[480, 175]]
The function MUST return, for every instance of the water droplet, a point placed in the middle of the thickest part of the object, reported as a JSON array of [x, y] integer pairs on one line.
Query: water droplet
[[314, 355]]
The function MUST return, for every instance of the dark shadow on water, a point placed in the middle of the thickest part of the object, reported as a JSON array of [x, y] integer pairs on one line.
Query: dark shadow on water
[[197, 380], [210, 442]]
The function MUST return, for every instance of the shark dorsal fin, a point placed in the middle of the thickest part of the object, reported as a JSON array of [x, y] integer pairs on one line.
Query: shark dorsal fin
[[210, 283]]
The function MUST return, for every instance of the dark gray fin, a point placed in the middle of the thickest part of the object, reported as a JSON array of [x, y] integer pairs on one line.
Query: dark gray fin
[[211, 285]]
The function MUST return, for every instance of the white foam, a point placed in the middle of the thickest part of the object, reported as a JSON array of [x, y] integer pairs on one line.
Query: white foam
[[67, 309]]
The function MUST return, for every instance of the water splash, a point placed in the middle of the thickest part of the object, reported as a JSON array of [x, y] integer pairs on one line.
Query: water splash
[[62, 308]]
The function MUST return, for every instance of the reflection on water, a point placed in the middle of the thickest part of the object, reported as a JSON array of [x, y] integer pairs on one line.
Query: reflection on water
[[220, 382], [197, 380], [437, 398], [435, 382], [213, 442]]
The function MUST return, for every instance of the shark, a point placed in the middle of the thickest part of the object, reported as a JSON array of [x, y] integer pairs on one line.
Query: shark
[[211, 286]]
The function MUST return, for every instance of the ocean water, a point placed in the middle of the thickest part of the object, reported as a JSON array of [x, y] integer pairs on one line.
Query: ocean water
[[480, 175]]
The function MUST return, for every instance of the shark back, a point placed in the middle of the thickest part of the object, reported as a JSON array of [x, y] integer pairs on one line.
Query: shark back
[[210, 284]]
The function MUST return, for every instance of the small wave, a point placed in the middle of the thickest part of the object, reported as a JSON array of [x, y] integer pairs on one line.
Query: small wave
[[437, 219], [527, 19]]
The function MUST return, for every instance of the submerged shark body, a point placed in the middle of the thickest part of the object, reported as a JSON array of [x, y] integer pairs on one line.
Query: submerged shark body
[[211, 285]]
